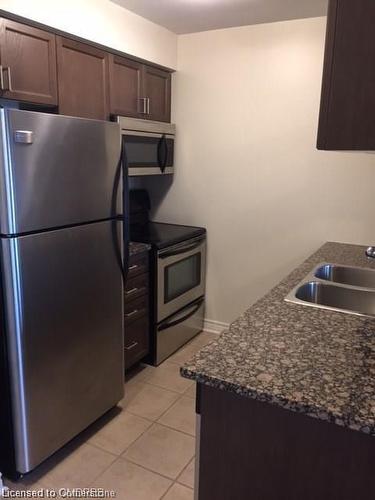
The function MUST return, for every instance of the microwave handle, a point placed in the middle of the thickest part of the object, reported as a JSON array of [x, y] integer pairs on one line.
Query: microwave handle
[[162, 153], [192, 310], [179, 251]]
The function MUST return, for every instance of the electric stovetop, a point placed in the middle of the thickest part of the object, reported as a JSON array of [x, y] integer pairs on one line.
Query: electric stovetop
[[161, 235]]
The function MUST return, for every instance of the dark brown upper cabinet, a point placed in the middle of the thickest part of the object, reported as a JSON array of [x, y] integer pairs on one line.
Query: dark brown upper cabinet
[[28, 63], [139, 90], [82, 79], [125, 80], [347, 113], [157, 90]]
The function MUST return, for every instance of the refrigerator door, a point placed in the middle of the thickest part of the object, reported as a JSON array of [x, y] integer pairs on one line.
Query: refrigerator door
[[57, 171], [64, 318]]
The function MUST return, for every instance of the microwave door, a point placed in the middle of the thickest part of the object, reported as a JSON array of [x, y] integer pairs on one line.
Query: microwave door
[[143, 152]]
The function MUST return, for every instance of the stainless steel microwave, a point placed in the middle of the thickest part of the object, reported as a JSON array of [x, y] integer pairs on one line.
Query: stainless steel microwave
[[148, 146]]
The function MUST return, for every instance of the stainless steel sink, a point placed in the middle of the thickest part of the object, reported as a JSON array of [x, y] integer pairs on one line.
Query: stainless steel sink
[[340, 298], [354, 276], [338, 288]]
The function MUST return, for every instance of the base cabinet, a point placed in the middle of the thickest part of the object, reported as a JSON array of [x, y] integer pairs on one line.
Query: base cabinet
[[136, 310], [248, 449]]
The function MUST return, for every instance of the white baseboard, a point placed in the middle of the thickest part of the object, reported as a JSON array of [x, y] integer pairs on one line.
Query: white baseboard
[[212, 326]]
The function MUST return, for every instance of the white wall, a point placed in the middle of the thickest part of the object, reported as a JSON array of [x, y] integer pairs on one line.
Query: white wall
[[246, 105], [104, 22]]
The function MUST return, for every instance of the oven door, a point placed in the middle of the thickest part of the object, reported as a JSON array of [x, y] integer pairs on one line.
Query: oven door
[[148, 153], [181, 276], [178, 329]]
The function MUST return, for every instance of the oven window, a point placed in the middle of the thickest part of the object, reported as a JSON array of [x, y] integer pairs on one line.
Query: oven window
[[181, 277]]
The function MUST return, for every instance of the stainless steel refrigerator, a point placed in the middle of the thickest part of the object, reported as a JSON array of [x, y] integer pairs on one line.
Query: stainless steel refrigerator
[[61, 277]]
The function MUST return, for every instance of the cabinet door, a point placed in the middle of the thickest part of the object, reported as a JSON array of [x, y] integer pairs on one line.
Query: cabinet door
[[348, 97], [83, 79], [125, 81], [28, 59], [157, 89]]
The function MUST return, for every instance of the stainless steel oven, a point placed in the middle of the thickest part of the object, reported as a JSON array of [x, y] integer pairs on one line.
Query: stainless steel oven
[[181, 270], [149, 146]]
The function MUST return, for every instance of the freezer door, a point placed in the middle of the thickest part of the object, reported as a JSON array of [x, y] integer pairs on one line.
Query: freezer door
[[57, 171], [64, 322]]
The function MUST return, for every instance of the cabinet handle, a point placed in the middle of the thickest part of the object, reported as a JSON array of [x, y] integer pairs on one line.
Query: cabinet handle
[[144, 110], [1, 77], [148, 105], [133, 290], [131, 313], [9, 87], [131, 346], [131, 268]]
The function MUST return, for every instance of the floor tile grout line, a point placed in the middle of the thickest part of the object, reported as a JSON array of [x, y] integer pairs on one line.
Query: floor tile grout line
[[187, 465], [151, 422], [144, 382], [161, 387], [173, 429], [148, 428], [170, 487], [150, 470], [105, 470]]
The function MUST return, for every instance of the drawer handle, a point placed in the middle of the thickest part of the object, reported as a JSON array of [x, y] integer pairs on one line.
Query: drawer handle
[[133, 290], [131, 268], [131, 346], [131, 313]]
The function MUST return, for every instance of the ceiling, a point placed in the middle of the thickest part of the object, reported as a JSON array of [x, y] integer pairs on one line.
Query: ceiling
[[189, 16]]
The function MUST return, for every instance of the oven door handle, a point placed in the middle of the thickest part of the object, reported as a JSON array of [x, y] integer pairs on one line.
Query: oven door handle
[[192, 310], [179, 251]]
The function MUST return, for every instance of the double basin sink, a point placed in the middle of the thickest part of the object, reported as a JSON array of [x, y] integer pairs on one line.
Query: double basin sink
[[338, 288]]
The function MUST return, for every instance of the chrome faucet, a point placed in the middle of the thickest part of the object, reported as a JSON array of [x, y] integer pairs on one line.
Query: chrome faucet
[[370, 252]]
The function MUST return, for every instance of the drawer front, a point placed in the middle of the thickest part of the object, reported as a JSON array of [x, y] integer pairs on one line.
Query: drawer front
[[138, 264], [136, 341], [135, 309], [136, 287]]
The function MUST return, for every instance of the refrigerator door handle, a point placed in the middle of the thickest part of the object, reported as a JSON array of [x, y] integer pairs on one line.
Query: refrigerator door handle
[[125, 209], [123, 261]]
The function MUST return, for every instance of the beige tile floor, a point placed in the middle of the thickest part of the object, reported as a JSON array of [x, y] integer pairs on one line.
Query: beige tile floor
[[144, 449]]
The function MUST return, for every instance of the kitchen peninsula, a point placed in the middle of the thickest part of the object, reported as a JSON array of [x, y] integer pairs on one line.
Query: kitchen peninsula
[[286, 399]]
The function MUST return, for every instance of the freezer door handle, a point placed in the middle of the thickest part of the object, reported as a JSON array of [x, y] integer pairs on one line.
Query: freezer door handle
[[180, 319]]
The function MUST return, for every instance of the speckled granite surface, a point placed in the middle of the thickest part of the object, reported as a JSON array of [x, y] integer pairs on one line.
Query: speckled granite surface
[[312, 361], [135, 248]]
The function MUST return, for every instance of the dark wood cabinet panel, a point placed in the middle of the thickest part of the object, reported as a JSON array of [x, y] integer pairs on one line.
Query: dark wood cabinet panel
[[277, 454], [348, 98], [157, 89], [28, 59], [41, 67], [125, 80], [139, 90], [136, 310], [136, 341], [82, 79]]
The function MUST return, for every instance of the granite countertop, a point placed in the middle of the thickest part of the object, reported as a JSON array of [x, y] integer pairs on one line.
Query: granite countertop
[[135, 248], [313, 361]]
